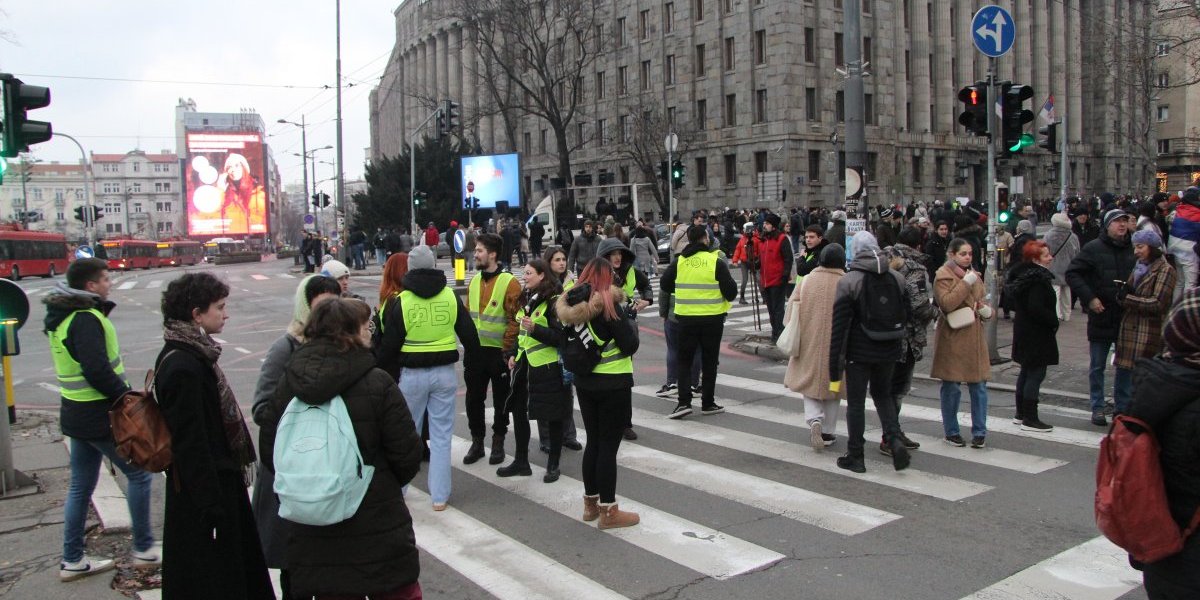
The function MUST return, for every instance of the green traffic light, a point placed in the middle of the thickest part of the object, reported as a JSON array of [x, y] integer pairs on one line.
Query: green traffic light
[[3, 168], [1023, 142], [1004, 217]]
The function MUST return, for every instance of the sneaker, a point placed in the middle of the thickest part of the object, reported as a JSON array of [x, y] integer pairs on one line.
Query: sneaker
[[1109, 408], [1018, 419], [695, 390], [909, 444], [150, 557], [681, 411], [628, 434], [815, 439], [1037, 426], [87, 566], [853, 464], [712, 409], [1099, 420], [977, 441], [955, 440], [439, 506], [884, 449], [667, 390], [572, 445], [829, 439]]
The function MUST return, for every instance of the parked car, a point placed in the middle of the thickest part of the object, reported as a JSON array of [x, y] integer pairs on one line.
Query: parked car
[[663, 232], [443, 248]]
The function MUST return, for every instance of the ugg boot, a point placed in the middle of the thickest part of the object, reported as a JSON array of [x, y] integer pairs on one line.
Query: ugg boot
[[552, 472], [519, 466], [611, 517], [497, 449], [475, 452], [591, 507]]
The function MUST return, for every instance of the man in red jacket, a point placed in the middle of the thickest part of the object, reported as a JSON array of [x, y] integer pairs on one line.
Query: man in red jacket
[[774, 252]]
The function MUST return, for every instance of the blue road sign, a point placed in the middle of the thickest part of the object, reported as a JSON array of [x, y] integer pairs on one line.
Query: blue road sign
[[460, 240], [84, 252], [993, 30]]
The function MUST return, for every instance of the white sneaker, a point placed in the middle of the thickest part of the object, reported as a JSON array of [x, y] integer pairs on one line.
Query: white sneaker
[[151, 557], [87, 566]]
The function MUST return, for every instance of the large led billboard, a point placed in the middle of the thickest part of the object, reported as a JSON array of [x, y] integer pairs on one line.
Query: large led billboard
[[226, 194], [489, 179]]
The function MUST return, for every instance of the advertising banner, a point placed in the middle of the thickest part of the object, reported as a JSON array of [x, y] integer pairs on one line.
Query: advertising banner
[[225, 184], [489, 179]]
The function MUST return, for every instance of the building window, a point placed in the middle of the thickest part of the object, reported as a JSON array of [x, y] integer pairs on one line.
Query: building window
[[111, 188], [1164, 80], [622, 81], [760, 47], [112, 228], [137, 167], [600, 132], [814, 166], [866, 7], [112, 208], [671, 116], [728, 5], [1164, 146], [839, 58], [1164, 112], [907, 66], [669, 69], [810, 45], [1161, 48], [698, 8], [599, 39], [579, 134], [728, 57], [166, 227], [730, 169], [599, 85], [866, 49], [622, 38], [699, 60], [528, 143], [669, 17], [644, 24], [810, 104], [730, 110], [135, 187], [760, 162], [840, 101], [61, 216], [701, 113], [760, 106], [623, 125], [869, 109], [939, 170], [905, 10], [162, 206], [645, 75], [109, 168], [137, 207], [542, 142], [701, 172], [162, 186], [917, 167]]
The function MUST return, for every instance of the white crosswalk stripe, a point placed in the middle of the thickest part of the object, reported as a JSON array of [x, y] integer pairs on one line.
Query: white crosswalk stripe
[[157, 283], [127, 285], [1094, 570], [258, 277]]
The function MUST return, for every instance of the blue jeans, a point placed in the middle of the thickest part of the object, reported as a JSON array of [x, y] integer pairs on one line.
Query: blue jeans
[[433, 390], [357, 256], [951, 394], [381, 256], [1122, 381], [671, 330], [85, 471]]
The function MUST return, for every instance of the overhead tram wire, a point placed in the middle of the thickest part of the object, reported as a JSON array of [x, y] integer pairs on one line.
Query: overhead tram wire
[[179, 82]]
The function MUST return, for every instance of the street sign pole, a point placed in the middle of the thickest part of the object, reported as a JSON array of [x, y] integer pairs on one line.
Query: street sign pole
[[993, 201], [672, 143]]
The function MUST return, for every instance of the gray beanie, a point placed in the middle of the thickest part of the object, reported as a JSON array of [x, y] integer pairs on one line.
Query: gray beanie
[[1024, 226], [833, 257], [420, 257], [1148, 237]]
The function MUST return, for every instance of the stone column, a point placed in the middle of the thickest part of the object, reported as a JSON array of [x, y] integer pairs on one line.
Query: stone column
[[920, 62], [900, 78], [1040, 67], [944, 91], [1074, 100], [454, 67], [443, 64]]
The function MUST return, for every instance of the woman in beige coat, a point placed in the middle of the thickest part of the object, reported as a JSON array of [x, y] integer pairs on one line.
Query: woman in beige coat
[[961, 355], [811, 304]]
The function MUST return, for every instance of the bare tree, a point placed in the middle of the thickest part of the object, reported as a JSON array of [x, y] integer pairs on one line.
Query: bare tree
[[645, 142]]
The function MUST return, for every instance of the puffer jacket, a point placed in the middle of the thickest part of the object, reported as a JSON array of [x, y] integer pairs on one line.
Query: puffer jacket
[[1063, 245], [1165, 397], [848, 342], [374, 551], [910, 264], [1094, 273], [1036, 322]]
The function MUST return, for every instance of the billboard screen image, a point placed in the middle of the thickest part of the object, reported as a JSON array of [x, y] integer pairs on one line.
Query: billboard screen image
[[489, 179], [225, 177]]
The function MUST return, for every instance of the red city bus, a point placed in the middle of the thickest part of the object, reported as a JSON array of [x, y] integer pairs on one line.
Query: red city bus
[[128, 254], [31, 253], [177, 253]]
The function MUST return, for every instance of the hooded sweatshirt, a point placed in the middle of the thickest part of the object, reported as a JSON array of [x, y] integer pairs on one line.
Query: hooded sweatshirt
[[425, 283], [85, 343], [849, 342]]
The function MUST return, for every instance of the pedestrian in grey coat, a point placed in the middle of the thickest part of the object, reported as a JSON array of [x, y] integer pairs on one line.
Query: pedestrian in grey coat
[[1063, 245]]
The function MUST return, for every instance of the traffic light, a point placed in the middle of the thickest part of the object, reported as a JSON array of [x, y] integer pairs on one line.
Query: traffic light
[[1004, 216], [79, 213], [97, 213], [419, 197], [663, 171], [440, 119], [1049, 139], [316, 200], [1015, 117], [450, 110], [677, 174], [320, 200], [3, 164], [324, 200], [974, 114], [19, 131]]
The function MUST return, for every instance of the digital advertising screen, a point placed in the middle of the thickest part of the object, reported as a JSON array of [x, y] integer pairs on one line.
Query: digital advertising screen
[[226, 193], [489, 179]]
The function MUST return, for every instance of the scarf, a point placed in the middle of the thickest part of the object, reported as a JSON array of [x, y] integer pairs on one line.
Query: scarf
[[957, 270], [1139, 271], [234, 424]]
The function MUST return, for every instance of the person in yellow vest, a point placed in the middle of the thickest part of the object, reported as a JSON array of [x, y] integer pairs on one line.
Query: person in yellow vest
[[91, 375], [493, 298], [556, 259], [638, 294], [595, 309], [423, 322], [703, 289], [538, 390]]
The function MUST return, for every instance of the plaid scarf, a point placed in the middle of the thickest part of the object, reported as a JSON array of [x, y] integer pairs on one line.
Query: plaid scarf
[[234, 424]]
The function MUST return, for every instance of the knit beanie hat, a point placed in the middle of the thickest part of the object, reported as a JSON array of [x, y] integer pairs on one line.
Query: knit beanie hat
[[1024, 226], [1113, 215], [334, 269], [833, 257], [1181, 334], [1148, 237], [420, 257]]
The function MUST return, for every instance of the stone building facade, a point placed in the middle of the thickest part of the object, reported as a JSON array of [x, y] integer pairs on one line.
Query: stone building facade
[[1177, 108], [758, 81], [140, 193], [51, 190]]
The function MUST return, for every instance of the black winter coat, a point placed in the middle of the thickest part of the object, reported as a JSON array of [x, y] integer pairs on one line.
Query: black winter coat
[[1094, 273], [374, 551], [211, 547], [1165, 398], [1036, 322], [547, 397]]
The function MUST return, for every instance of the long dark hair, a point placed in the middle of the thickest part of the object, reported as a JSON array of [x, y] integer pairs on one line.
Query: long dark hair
[[338, 320], [548, 288]]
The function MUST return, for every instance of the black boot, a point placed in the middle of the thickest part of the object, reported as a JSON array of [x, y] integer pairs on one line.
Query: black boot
[[552, 472], [900, 457], [852, 463], [519, 466], [497, 449], [475, 452]]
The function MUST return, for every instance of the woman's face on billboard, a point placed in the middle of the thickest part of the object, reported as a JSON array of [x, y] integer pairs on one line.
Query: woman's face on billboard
[[235, 170]]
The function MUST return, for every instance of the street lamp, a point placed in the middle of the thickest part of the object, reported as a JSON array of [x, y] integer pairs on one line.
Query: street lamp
[[311, 156]]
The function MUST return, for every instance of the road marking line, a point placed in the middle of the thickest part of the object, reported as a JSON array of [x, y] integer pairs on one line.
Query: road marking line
[[504, 567], [242, 350], [285, 276], [910, 480], [157, 283], [1094, 570], [992, 457], [1062, 435], [674, 538], [218, 340], [127, 285], [258, 277], [49, 386], [235, 278], [799, 504]]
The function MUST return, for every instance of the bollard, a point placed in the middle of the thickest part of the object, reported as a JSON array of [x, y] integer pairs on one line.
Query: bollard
[[460, 271]]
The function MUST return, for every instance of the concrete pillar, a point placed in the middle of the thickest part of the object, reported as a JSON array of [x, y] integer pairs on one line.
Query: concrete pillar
[[1058, 55], [944, 91], [920, 61], [443, 65], [900, 80], [1040, 68], [454, 67], [1074, 100]]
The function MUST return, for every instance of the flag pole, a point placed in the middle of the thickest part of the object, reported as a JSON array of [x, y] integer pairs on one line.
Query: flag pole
[[1062, 186]]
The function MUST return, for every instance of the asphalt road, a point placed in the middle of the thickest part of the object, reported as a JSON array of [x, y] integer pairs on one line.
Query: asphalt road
[[732, 505]]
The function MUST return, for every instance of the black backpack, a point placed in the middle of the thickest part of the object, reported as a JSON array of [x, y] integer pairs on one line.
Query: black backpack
[[580, 350], [883, 311]]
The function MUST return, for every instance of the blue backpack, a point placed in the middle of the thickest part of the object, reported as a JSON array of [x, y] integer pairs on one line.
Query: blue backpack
[[320, 477]]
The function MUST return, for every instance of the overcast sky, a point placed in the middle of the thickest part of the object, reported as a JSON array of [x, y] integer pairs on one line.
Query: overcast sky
[[260, 42]]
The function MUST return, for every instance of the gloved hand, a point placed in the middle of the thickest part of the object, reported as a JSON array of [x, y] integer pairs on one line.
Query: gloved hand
[[835, 386], [970, 278], [985, 312]]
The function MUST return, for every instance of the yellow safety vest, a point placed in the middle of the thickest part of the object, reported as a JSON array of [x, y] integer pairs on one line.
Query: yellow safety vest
[[630, 284], [492, 320], [537, 353], [697, 293], [383, 311], [612, 360], [71, 383], [429, 322]]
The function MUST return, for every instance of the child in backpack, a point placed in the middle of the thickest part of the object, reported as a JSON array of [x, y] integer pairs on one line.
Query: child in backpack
[[372, 552]]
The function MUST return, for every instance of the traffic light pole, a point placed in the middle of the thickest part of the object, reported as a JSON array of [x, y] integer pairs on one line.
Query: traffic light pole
[[671, 187], [1062, 168], [993, 274], [89, 221], [412, 166]]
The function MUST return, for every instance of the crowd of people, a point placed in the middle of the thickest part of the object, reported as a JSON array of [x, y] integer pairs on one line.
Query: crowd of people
[[856, 309]]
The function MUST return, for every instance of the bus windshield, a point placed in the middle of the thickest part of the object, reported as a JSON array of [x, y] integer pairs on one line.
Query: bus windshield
[[114, 251]]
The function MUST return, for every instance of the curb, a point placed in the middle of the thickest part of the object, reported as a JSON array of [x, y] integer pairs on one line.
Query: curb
[[108, 499]]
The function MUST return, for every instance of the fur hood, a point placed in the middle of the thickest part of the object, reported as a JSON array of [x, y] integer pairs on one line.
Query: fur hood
[[64, 300], [580, 305]]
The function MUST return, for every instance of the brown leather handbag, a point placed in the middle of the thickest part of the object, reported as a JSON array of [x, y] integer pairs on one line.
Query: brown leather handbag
[[139, 430]]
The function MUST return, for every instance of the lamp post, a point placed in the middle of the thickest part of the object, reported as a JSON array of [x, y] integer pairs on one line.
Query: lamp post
[[89, 224], [303, 148]]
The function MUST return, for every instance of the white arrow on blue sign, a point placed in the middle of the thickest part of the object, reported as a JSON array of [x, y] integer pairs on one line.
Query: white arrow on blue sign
[[84, 252], [460, 240], [993, 30]]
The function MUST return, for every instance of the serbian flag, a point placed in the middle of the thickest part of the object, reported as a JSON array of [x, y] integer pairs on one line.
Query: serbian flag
[[1000, 107], [1047, 113]]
